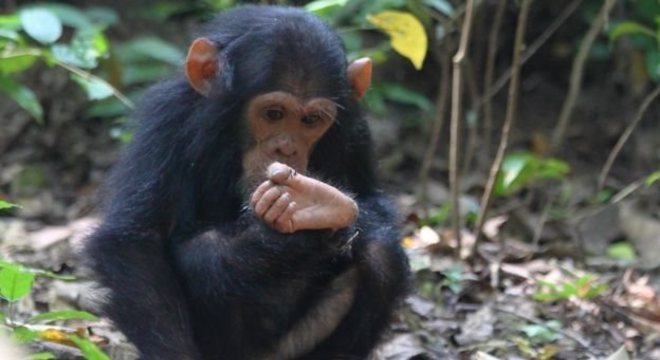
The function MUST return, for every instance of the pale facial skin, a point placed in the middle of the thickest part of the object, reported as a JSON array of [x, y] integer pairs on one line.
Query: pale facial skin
[[285, 129]]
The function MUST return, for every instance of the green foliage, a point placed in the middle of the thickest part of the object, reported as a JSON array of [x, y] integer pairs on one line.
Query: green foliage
[[644, 30], [23, 335], [622, 251], [452, 279], [652, 179], [88, 348], [41, 25], [325, 8], [63, 315], [439, 216], [35, 33], [521, 169], [22, 95], [583, 287], [540, 334], [15, 283]]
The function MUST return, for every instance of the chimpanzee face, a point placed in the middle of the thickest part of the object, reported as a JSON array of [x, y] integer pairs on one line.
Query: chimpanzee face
[[284, 128]]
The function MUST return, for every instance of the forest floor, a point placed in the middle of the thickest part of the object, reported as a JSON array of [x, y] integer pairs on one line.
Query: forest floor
[[549, 284]]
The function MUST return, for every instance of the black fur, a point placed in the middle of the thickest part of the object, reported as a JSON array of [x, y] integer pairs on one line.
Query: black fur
[[193, 274]]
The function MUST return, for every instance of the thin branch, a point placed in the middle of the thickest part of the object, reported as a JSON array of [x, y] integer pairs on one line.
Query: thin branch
[[648, 100], [89, 76], [577, 73], [511, 111], [533, 48], [438, 121], [490, 70], [457, 79]]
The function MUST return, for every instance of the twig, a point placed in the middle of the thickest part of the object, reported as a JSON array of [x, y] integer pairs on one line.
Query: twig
[[438, 121], [533, 48], [89, 76], [511, 110], [457, 78], [490, 70], [648, 100], [567, 334], [577, 73]]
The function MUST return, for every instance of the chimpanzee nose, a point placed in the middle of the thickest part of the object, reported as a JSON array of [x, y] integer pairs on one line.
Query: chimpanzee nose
[[285, 147]]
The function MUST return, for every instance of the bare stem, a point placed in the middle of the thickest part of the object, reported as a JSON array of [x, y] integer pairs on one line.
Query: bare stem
[[89, 76], [511, 111], [577, 73], [648, 100], [457, 78]]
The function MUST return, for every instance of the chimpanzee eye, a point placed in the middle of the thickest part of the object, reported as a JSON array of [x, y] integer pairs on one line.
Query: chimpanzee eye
[[274, 113], [311, 119]]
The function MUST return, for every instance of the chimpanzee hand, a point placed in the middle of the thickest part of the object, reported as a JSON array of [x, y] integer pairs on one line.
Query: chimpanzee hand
[[289, 202]]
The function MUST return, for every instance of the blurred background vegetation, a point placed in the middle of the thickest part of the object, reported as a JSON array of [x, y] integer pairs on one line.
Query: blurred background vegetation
[[577, 185]]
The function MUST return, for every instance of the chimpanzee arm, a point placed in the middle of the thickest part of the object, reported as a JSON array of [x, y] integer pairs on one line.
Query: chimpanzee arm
[[240, 258], [128, 252], [145, 300]]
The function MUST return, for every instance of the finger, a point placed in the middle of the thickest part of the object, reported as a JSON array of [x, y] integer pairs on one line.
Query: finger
[[279, 173], [284, 222], [260, 191], [277, 208], [267, 200]]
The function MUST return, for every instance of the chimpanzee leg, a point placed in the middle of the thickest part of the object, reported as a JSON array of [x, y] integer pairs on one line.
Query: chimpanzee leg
[[383, 278]]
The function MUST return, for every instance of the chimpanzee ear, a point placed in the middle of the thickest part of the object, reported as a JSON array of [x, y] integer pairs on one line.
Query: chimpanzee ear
[[359, 75], [203, 63]]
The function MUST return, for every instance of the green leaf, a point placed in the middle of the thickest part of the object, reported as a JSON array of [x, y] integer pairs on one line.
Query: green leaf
[[653, 178], [10, 22], [24, 335], [15, 283], [6, 205], [3, 318], [630, 28], [516, 170], [622, 251], [149, 48], [67, 14], [88, 348], [542, 333], [73, 56], [443, 6], [42, 356], [95, 88], [17, 60], [41, 24], [520, 169], [63, 315], [9, 34], [23, 96], [324, 8], [37, 272]]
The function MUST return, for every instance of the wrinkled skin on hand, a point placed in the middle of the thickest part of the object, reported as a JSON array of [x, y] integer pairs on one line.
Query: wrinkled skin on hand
[[289, 201]]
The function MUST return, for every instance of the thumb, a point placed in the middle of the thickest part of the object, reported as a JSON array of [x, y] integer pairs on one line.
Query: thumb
[[281, 174]]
